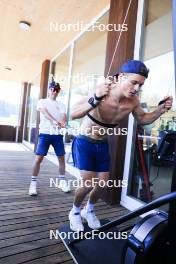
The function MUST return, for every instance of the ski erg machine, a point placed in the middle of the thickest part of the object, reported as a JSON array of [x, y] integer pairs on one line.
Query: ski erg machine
[[151, 240]]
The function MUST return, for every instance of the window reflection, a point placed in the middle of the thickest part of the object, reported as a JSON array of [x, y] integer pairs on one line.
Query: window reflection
[[9, 105], [60, 75], [88, 64], [151, 177]]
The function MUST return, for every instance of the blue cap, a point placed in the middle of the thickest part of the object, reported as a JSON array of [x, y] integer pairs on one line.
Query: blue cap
[[54, 85], [134, 66]]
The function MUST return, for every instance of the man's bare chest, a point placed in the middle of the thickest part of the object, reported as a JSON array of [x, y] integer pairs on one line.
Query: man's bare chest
[[113, 111]]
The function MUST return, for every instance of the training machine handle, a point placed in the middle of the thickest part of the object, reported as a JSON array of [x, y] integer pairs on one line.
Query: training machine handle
[[167, 198], [163, 101]]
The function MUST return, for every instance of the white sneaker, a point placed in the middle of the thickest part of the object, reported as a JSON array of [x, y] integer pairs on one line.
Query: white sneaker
[[63, 185], [32, 189], [75, 221], [91, 218]]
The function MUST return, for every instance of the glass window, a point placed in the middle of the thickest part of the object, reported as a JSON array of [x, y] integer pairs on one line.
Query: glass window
[[10, 94], [151, 176], [87, 67], [31, 112], [61, 75], [88, 63], [61, 72]]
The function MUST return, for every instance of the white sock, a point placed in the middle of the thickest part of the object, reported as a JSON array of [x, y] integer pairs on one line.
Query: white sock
[[34, 180], [76, 209], [89, 206], [61, 177]]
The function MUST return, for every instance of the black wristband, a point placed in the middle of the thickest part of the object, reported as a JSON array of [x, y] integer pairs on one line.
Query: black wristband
[[98, 98], [92, 102]]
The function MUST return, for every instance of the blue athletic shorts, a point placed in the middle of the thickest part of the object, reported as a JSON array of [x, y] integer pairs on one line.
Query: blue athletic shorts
[[45, 140], [90, 155]]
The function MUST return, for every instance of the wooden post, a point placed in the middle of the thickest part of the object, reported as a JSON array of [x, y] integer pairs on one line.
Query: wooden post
[[43, 93], [125, 50]]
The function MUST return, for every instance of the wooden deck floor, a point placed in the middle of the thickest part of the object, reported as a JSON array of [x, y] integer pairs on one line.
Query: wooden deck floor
[[25, 222]]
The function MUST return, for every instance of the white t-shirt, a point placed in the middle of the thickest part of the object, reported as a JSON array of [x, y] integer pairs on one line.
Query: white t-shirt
[[56, 109]]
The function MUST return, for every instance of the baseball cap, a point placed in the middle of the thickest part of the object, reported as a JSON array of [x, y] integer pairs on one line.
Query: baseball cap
[[54, 85], [134, 66]]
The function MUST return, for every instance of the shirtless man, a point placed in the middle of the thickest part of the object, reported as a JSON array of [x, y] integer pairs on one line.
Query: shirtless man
[[105, 109]]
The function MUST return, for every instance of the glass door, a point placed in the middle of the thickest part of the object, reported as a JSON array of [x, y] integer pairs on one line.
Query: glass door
[[149, 177]]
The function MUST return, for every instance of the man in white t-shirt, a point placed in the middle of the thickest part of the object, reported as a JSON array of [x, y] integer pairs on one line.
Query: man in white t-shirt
[[52, 119]]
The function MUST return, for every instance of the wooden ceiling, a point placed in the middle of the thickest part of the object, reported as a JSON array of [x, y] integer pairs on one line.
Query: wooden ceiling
[[24, 51], [157, 9]]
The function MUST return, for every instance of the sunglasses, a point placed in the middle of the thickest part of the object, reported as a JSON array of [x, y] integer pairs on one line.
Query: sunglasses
[[55, 90]]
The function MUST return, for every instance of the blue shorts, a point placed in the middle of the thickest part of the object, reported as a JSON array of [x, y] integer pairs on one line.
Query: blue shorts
[[44, 142], [90, 155]]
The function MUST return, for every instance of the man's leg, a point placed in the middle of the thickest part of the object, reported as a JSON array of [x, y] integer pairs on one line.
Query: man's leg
[[88, 212], [63, 185], [80, 193], [98, 190], [41, 151], [86, 187], [102, 168], [61, 160], [58, 145], [36, 165], [35, 172], [84, 152]]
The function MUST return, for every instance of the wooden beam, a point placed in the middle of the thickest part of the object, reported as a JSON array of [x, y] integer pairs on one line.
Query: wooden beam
[[44, 79], [125, 51], [43, 93]]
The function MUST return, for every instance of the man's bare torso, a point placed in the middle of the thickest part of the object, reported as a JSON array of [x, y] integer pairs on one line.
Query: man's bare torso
[[110, 111]]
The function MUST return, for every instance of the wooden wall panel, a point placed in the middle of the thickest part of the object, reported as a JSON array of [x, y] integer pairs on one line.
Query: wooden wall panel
[[7, 133]]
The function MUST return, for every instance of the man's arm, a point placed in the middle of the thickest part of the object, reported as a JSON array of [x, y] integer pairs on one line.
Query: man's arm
[[148, 118], [63, 121], [81, 108], [45, 112]]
